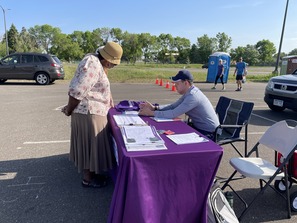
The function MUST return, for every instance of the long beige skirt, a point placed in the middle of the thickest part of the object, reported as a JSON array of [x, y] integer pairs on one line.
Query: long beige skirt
[[90, 144]]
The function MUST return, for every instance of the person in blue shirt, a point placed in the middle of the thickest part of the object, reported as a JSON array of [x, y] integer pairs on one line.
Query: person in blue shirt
[[220, 74], [193, 103], [240, 71]]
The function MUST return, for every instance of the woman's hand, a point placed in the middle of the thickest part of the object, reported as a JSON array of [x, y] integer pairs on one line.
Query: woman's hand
[[65, 110], [72, 103]]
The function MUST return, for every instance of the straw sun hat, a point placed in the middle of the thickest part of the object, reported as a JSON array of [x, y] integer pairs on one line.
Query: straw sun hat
[[112, 52]]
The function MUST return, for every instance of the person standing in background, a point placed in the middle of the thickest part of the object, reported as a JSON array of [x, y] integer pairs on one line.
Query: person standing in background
[[240, 71], [88, 105], [220, 74]]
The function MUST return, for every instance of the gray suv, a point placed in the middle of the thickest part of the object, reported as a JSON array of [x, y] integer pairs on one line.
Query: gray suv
[[43, 68], [281, 92]]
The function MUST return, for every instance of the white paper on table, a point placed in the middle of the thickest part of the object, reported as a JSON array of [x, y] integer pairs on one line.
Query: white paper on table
[[145, 147], [140, 135], [128, 120], [131, 112], [165, 119], [187, 138]]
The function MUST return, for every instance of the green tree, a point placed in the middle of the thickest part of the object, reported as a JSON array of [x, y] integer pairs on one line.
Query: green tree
[[78, 37], [2, 49], [224, 42], [98, 38], [131, 47], [88, 44], [12, 36], [182, 46], [116, 35], [66, 48], [194, 54], [148, 44], [183, 57], [166, 43], [163, 48], [91, 41], [293, 52], [266, 50], [282, 54], [237, 52], [26, 42], [206, 46], [249, 53], [44, 36]]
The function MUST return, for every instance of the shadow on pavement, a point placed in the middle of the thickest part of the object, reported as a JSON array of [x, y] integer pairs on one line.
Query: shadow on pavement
[[49, 190], [268, 207], [270, 116]]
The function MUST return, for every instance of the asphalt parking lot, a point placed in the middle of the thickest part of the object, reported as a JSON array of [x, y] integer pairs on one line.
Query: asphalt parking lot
[[39, 184]]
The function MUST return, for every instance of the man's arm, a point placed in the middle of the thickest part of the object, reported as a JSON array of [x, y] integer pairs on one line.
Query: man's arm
[[235, 71], [183, 106]]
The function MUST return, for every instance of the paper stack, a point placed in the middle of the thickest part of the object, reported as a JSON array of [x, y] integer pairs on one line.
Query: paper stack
[[123, 120], [142, 138], [187, 138]]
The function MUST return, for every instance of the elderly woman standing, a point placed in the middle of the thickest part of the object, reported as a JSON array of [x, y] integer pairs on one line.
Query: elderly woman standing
[[88, 104]]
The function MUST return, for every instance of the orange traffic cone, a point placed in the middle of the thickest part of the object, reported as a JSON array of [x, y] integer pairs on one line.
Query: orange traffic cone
[[161, 82], [167, 85], [157, 81], [173, 87]]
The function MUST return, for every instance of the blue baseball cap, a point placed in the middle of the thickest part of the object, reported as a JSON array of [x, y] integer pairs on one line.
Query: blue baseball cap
[[182, 75]]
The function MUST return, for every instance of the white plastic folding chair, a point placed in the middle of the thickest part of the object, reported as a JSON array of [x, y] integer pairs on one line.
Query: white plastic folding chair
[[280, 137]]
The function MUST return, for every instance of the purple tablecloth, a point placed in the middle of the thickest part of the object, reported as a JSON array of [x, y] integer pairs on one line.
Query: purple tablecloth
[[165, 185]]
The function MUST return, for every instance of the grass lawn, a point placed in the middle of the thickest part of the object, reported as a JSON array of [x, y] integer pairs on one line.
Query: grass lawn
[[148, 73]]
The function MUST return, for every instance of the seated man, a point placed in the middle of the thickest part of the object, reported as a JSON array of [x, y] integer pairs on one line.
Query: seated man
[[192, 103]]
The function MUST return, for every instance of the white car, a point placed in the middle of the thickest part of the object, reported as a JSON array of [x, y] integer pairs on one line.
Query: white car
[[281, 92]]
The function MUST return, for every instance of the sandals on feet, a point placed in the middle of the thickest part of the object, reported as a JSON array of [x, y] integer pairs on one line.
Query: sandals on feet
[[94, 183]]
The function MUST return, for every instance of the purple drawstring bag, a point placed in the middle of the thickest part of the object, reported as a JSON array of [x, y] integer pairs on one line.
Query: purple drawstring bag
[[127, 105]]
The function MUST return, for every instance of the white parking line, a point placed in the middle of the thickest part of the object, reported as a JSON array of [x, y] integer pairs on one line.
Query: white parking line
[[59, 108], [68, 141], [268, 119], [48, 142], [256, 133]]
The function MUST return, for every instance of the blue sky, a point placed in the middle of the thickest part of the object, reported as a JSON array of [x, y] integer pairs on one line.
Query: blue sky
[[246, 22]]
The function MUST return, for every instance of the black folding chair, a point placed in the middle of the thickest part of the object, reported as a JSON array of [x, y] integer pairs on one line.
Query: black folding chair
[[234, 115]]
